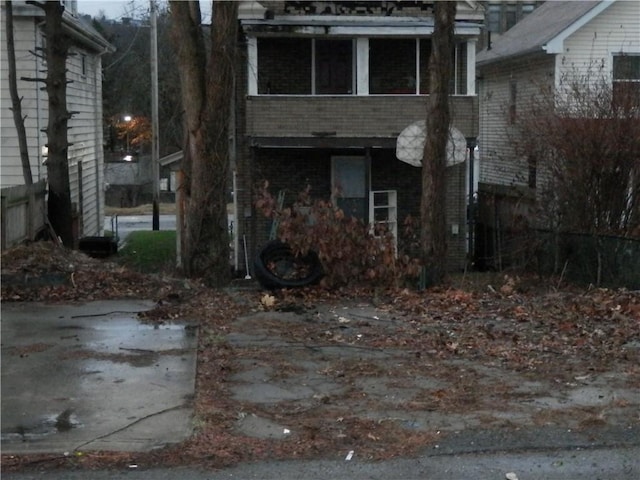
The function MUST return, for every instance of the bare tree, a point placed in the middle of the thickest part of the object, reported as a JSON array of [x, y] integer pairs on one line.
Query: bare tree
[[16, 101], [206, 78], [433, 202], [56, 51]]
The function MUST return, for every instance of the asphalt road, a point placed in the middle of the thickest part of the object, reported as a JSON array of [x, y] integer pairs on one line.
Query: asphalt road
[[565, 464]]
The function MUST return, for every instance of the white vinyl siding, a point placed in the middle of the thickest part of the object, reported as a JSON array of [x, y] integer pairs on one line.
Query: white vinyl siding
[[84, 96], [27, 66], [85, 135], [590, 50], [498, 161]]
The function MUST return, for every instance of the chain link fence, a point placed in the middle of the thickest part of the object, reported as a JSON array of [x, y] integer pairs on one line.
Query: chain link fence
[[601, 260]]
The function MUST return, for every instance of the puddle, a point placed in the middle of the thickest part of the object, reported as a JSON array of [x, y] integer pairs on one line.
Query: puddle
[[47, 425], [118, 374]]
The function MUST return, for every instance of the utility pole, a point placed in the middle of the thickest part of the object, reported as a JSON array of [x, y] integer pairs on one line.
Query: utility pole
[[155, 155]]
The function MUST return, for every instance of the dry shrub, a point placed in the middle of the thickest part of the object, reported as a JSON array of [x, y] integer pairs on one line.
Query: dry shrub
[[350, 250]]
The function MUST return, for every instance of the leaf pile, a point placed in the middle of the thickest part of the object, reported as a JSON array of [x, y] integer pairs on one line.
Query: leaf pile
[[522, 326], [43, 271]]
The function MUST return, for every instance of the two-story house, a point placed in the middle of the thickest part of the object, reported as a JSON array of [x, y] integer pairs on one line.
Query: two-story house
[[84, 97], [554, 43], [326, 90]]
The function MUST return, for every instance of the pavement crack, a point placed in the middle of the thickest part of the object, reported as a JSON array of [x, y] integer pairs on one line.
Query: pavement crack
[[107, 314], [129, 425]]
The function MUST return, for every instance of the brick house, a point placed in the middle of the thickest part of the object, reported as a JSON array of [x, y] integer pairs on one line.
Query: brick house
[[325, 90]]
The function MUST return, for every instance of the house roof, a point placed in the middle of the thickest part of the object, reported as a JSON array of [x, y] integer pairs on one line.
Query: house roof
[[86, 34], [543, 30], [79, 29]]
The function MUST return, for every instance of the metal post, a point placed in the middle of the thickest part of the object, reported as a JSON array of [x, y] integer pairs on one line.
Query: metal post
[[471, 145], [155, 166]]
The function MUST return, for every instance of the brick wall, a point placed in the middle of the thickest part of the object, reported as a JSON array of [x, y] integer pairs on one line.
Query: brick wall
[[349, 116], [292, 169]]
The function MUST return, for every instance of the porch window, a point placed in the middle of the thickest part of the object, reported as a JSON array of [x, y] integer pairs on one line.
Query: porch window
[[392, 66], [284, 66], [320, 66], [425, 53], [333, 72], [626, 80]]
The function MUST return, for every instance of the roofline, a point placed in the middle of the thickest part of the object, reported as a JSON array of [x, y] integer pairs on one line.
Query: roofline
[[512, 57], [77, 30], [72, 25], [351, 25], [556, 44], [171, 158]]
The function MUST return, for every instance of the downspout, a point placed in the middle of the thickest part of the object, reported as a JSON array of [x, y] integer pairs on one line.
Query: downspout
[[233, 157], [99, 150]]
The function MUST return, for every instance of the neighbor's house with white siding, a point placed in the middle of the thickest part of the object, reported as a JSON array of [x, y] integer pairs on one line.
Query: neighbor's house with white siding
[[84, 96], [553, 42]]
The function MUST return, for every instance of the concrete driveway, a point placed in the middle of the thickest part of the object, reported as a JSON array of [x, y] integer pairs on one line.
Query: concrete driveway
[[93, 377]]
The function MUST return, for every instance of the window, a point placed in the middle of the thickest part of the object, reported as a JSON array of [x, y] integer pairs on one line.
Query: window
[[626, 80], [83, 60], [334, 67], [425, 54], [495, 17], [511, 15], [327, 66], [526, 9], [392, 66], [501, 16], [284, 66], [287, 66]]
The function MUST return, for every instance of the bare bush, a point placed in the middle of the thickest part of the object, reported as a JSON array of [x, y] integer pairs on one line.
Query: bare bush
[[583, 142]]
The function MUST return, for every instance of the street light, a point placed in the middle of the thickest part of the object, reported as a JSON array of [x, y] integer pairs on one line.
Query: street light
[[127, 118]]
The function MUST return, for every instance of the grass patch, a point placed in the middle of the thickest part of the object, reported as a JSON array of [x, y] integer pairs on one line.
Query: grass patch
[[150, 251], [146, 209]]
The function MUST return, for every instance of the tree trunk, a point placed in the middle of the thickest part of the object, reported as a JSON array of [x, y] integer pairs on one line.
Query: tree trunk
[[433, 203], [16, 101], [207, 88], [60, 211]]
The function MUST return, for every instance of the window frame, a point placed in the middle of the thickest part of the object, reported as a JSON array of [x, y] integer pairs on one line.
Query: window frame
[[633, 81]]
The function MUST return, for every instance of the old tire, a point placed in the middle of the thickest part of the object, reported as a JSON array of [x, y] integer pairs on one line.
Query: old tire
[[275, 266]]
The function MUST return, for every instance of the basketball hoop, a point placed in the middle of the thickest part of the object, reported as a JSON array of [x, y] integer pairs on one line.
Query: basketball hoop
[[410, 145]]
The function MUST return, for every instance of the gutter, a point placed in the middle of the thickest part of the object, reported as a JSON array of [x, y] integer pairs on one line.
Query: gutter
[[77, 30]]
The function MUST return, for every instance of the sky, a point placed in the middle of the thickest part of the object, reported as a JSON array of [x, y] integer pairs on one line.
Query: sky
[[112, 9], [116, 9]]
